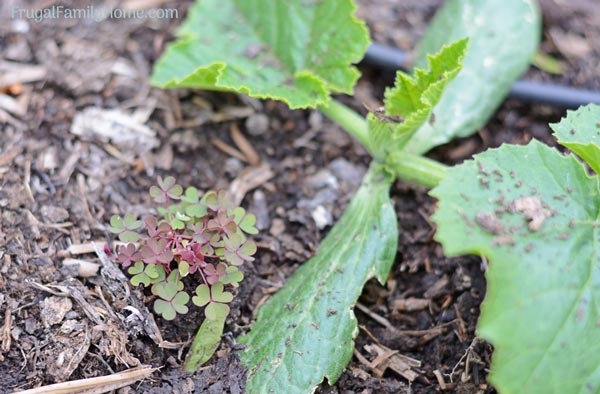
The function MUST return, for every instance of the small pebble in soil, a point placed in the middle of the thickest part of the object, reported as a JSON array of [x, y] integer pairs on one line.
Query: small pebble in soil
[[257, 124]]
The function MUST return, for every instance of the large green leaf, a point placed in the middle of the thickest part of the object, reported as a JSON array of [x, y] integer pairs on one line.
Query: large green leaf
[[534, 214], [297, 51], [305, 332], [412, 98], [504, 36]]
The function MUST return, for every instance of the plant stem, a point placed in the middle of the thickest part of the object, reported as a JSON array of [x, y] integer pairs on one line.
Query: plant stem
[[349, 120], [417, 169], [406, 166]]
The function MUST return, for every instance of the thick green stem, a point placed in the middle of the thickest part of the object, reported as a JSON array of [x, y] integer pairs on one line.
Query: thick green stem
[[417, 169], [406, 166], [349, 120]]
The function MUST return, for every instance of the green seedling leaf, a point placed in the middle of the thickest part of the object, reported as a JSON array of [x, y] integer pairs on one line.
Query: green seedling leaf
[[580, 132], [244, 220], [168, 288], [202, 296], [129, 236], [179, 302], [215, 311], [130, 222], [172, 299], [534, 214], [169, 308], [177, 224], [196, 210], [205, 343], [139, 276], [305, 331], [125, 227], [233, 276], [504, 36], [184, 268], [218, 295], [191, 195], [165, 309], [116, 224], [155, 272], [289, 51], [237, 250], [412, 99]]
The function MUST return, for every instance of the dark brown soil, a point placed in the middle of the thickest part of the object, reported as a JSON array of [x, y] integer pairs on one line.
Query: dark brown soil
[[58, 189]]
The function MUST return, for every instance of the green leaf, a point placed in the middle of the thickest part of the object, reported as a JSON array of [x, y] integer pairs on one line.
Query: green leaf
[[504, 36], [412, 94], [412, 98], [202, 296], [129, 236], [139, 276], [580, 132], [179, 302], [296, 51], [184, 268], [244, 220], [196, 210], [205, 343], [191, 195], [534, 214], [131, 223], [168, 288], [233, 276], [305, 331], [165, 309], [216, 311], [116, 224], [177, 224], [218, 295], [155, 271]]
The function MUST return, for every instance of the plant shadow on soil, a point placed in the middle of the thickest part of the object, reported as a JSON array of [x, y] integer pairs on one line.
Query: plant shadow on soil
[[57, 189]]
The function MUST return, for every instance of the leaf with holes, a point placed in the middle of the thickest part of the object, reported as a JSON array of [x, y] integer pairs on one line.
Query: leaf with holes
[[296, 51], [534, 214]]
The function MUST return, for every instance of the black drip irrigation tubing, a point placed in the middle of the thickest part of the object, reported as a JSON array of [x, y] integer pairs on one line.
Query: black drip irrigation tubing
[[391, 58]]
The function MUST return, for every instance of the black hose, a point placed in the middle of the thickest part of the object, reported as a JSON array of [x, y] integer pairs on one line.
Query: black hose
[[391, 58]]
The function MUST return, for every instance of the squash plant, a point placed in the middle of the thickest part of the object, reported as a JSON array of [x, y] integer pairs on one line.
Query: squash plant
[[300, 52]]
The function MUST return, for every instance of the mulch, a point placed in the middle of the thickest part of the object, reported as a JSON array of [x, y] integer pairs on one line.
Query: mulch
[[63, 174]]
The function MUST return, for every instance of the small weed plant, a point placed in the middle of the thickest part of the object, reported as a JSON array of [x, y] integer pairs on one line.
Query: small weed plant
[[203, 238]]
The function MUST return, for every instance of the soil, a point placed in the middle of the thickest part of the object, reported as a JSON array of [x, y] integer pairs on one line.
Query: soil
[[59, 189]]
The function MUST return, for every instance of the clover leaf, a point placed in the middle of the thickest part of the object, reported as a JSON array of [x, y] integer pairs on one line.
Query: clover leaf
[[202, 296], [125, 227], [233, 276], [237, 250], [244, 220], [166, 189]]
